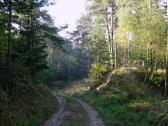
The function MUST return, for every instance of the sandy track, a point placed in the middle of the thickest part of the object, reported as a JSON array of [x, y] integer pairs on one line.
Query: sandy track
[[58, 118], [95, 120]]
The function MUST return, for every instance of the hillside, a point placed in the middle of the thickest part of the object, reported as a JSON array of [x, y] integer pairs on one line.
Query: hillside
[[23, 103], [126, 101]]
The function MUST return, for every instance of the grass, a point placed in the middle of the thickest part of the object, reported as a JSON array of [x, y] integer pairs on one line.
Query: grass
[[77, 117], [38, 110], [119, 111], [23, 103], [127, 101], [71, 88], [30, 107]]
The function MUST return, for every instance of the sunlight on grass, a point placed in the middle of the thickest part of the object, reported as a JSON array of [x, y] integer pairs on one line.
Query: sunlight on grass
[[130, 104], [76, 89], [140, 105], [161, 71], [79, 87], [123, 70], [126, 101]]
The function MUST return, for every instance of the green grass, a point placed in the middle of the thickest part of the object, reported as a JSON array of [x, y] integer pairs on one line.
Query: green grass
[[117, 110], [126, 101], [30, 108], [71, 88], [23, 103], [41, 109], [130, 103], [73, 106], [78, 115]]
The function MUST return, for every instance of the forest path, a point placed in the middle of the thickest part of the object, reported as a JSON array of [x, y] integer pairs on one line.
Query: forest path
[[58, 118], [95, 120]]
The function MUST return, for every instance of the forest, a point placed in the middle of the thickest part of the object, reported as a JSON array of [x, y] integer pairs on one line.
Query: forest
[[112, 70]]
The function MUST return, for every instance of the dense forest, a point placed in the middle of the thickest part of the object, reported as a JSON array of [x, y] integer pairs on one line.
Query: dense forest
[[121, 46]]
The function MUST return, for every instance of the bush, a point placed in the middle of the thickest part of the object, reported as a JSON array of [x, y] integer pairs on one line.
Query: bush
[[158, 82], [97, 71]]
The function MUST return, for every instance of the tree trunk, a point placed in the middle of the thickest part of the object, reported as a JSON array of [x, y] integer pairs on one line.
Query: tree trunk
[[151, 60], [115, 64], [166, 77], [109, 38], [69, 68], [9, 38], [112, 33], [147, 62], [128, 53]]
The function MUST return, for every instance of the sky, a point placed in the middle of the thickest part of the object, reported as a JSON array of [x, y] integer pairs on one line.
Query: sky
[[67, 12]]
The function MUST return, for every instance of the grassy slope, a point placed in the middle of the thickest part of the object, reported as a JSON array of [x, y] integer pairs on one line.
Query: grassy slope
[[40, 109], [127, 101], [24, 104], [131, 103]]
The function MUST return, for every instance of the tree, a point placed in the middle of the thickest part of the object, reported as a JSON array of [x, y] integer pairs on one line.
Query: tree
[[166, 77], [30, 31]]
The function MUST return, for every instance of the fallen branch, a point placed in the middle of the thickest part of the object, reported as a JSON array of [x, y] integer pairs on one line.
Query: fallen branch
[[106, 83]]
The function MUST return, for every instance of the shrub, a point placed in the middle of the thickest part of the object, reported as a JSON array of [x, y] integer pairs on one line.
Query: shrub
[[97, 71]]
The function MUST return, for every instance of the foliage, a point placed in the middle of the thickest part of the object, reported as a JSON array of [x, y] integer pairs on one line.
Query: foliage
[[125, 33], [97, 71], [26, 30], [65, 64], [31, 33], [126, 100], [23, 103]]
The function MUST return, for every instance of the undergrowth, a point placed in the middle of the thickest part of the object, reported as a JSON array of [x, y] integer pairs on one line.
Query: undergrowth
[[128, 101], [22, 103]]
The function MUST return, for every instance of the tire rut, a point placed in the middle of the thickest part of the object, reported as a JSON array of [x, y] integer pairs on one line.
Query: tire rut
[[58, 118], [95, 120]]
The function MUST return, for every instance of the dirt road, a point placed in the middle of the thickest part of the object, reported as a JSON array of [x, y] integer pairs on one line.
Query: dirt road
[[58, 118]]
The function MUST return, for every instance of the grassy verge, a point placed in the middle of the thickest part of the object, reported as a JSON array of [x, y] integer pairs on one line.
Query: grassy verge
[[127, 101], [39, 110], [23, 102], [27, 106]]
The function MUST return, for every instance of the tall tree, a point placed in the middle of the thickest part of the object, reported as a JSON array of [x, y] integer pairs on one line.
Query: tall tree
[[166, 77]]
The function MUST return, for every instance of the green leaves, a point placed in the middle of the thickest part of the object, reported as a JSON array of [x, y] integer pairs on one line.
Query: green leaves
[[33, 32], [97, 71]]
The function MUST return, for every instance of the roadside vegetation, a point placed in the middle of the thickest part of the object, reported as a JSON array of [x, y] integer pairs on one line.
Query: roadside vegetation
[[126, 101], [25, 104], [26, 30]]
